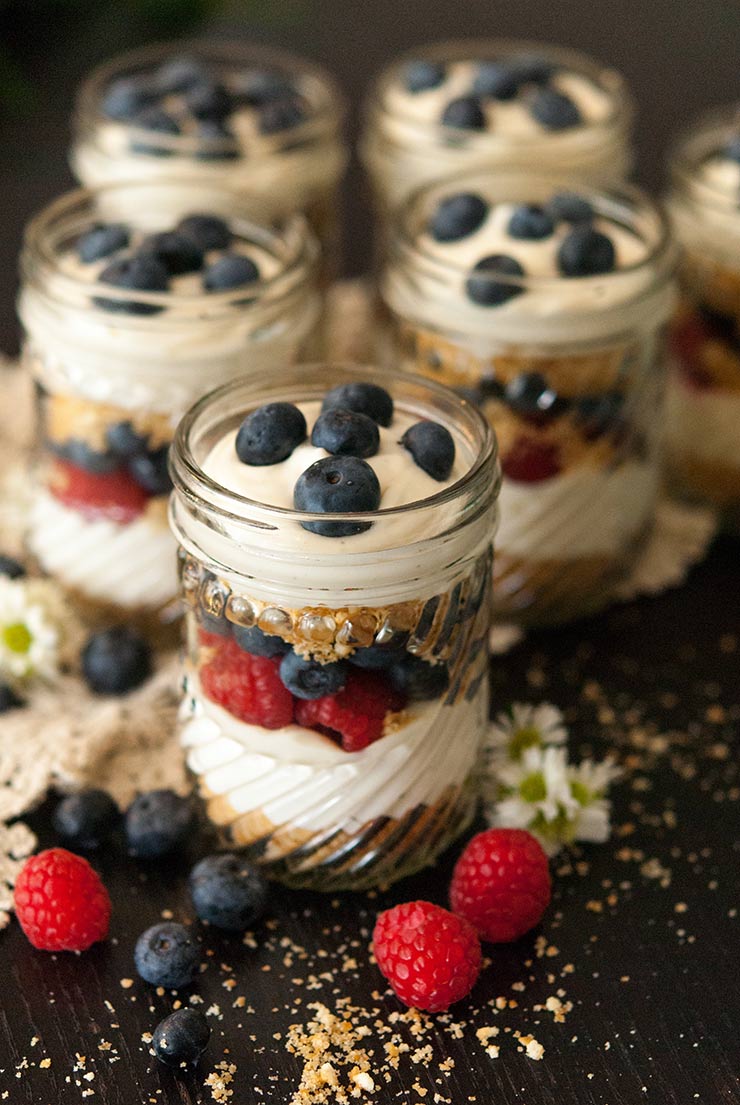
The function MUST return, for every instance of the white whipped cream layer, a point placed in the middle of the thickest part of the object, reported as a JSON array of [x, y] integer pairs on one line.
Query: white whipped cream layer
[[132, 565], [702, 423], [299, 778]]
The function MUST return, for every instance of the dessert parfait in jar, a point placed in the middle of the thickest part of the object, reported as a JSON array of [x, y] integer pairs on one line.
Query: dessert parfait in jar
[[702, 443], [335, 528], [131, 310], [546, 308], [217, 113]]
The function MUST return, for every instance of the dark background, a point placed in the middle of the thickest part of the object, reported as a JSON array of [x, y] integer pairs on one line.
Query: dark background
[[680, 57]]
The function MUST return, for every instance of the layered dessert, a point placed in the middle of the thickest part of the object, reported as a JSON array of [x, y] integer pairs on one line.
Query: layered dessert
[[704, 384], [220, 114], [336, 571], [127, 322], [545, 308], [459, 107]]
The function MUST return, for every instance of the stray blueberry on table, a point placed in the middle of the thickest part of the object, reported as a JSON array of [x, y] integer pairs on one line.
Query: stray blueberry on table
[[11, 567], [369, 399], [279, 115], [432, 447], [181, 1038], [465, 113], [116, 660], [157, 823], [157, 121], [337, 485], [86, 819], [208, 99], [126, 97], [554, 110], [586, 252], [487, 284], [270, 434], [457, 217], [101, 240], [419, 76], [253, 640], [232, 270], [9, 700], [166, 955], [179, 74], [346, 433], [124, 440], [151, 472], [419, 680], [568, 207], [530, 222], [228, 892], [308, 679], [207, 231], [177, 252], [145, 274], [496, 79]]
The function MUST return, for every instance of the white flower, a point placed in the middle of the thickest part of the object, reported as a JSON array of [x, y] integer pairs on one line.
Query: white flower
[[30, 631], [589, 783], [535, 794], [524, 726]]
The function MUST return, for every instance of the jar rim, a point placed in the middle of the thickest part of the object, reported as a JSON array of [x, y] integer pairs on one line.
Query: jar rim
[[693, 145]]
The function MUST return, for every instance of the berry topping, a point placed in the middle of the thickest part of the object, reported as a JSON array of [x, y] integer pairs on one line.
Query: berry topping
[[248, 686], [530, 396], [586, 252], [157, 121], [60, 902], [530, 222], [150, 471], [432, 447], [501, 884], [146, 274], [375, 658], [529, 461], [483, 285], [83, 456], [227, 892], [177, 252], [213, 130], [9, 700], [207, 231], [270, 434], [568, 207], [465, 113], [367, 399], [233, 270], [181, 1038], [337, 485], [533, 69], [598, 414], [497, 80], [253, 640], [457, 217], [732, 149], [279, 115], [419, 680], [259, 86], [157, 822], [101, 240], [166, 955], [354, 717], [346, 433], [124, 441], [419, 76], [115, 496], [11, 568], [116, 660], [430, 957], [208, 100], [554, 110], [87, 819], [179, 74], [126, 97], [308, 679]]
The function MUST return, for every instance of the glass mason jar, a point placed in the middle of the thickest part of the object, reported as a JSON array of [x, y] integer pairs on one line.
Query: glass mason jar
[[413, 589], [218, 113], [568, 368], [703, 411], [406, 144], [115, 369]]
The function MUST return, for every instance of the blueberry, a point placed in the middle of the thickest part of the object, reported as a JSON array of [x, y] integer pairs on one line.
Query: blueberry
[[179, 74], [346, 433], [166, 955], [212, 130], [207, 231], [337, 485], [533, 69], [228, 892], [124, 440], [526, 393], [279, 115], [232, 270], [568, 207], [309, 679], [157, 822], [465, 113], [374, 658], [87, 819], [496, 79], [159, 122], [253, 640], [83, 456], [432, 447], [457, 217], [483, 287], [101, 240], [181, 1038], [367, 399], [150, 470], [260, 86], [418, 679], [732, 149], [126, 97], [177, 252], [208, 100], [554, 110], [116, 660], [419, 76], [141, 273], [270, 434], [596, 415], [530, 222], [586, 252], [11, 567], [215, 623], [9, 700]]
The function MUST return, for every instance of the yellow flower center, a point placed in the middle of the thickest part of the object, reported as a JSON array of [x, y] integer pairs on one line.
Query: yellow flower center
[[17, 638], [581, 793], [522, 739], [533, 788]]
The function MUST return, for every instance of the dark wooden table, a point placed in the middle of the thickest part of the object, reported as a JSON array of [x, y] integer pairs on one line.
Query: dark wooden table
[[641, 938]]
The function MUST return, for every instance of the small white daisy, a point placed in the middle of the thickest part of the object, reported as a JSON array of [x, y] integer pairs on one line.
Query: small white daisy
[[524, 726], [589, 783], [30, 632]]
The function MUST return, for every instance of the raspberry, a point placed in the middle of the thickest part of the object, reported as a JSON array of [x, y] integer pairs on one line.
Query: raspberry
[[114, 495], [688, 338], [355, 715], [60, 902], [501, 884], [529, 461], [248, 686], [430, 957]]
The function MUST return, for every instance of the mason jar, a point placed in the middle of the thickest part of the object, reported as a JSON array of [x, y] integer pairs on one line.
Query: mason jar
[[116, 366], [218, 113], [459, 107], [702, 444], [374, 778], [547, 308]]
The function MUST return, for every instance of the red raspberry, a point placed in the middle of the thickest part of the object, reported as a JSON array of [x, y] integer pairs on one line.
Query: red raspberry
[[430, 957], [530, 461], [115, 495], [60, 902], [248, 686], [354, 715], [501, 884]]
